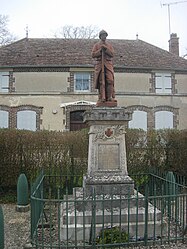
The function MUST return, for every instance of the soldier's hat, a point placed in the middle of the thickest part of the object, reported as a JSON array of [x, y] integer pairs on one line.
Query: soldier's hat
[[102, 32]]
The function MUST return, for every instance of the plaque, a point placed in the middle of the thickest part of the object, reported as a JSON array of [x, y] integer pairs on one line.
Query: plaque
[[108, 157]]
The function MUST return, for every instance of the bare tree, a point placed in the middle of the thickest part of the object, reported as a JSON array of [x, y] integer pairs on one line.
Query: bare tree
[[185, 55], [72, 32], [5, 36]]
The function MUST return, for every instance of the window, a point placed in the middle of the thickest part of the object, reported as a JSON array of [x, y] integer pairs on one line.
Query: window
[[163, 83], [139, 120], [4, 82], [26, 120], [163, 120], [3, 119], [82, 82]]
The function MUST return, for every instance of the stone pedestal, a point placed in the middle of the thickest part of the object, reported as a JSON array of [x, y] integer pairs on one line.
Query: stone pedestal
[[108, 197], [107, 164]]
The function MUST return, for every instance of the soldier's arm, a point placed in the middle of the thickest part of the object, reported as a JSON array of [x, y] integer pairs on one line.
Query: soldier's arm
[[109, 50], [96, 52]]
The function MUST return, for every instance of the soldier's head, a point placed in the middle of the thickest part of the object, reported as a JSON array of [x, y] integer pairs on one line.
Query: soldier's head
[[102, 35]]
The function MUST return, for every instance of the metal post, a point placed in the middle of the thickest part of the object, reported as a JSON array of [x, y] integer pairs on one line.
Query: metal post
[[1, 228], [146, 216], [169, 19], [22, 194], [92, 228]]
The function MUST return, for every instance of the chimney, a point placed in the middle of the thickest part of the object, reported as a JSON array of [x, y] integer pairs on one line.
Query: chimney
[[174, 44]]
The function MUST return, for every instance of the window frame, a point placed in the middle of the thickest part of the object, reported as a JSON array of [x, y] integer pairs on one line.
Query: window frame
[[26, 120], [7, 121], [162, 112], [163, 88], [82, 82], [6, 88], [132, 125]]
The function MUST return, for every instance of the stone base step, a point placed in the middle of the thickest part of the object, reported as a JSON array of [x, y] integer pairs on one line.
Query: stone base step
[[82, 233]]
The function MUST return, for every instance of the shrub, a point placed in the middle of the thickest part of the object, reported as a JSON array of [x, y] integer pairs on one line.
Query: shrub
[[112, 235]]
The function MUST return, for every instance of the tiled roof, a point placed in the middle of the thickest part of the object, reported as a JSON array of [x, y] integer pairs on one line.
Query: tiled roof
[[77, 52]]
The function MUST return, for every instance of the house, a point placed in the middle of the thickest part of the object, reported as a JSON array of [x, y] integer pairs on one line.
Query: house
[[48, 83]]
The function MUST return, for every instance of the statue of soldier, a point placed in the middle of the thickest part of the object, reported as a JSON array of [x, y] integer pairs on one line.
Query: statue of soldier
[[104, 73]]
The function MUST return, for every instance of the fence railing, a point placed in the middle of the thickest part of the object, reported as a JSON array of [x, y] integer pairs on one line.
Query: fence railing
[[37, 204], [64, 217]]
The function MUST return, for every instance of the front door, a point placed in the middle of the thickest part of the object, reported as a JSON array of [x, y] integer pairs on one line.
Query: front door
[[76, 120]]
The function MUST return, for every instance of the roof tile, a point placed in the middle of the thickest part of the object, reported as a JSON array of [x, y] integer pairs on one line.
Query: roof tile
[[77, 52]]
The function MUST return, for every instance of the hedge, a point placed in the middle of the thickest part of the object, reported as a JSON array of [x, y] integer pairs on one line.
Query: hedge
[[66, 153], [28, 152]]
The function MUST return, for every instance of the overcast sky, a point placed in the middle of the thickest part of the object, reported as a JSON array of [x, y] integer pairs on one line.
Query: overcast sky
[[122, 19]]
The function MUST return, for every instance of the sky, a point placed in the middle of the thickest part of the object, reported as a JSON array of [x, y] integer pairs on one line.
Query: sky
[[122, 19]]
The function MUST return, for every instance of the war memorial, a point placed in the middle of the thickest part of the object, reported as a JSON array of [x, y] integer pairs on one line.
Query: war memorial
[[106, 197]]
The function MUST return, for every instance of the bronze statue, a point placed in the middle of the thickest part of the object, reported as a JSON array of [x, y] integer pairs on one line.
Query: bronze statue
[[104, 73]]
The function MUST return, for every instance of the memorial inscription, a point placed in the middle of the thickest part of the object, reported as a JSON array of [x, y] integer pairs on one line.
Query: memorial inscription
[[108, 157]]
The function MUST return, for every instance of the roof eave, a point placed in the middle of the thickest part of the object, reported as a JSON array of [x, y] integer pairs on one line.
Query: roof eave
[[47, 66], [91, 66], [151, 68]]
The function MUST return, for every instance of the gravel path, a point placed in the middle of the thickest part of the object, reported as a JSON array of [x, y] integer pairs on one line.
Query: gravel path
[[17, 230], [16, 227]]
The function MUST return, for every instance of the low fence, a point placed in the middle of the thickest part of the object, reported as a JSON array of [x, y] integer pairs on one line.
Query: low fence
[[65, 217]]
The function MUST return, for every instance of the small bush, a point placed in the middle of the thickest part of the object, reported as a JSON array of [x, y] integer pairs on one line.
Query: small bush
[[112, 235]]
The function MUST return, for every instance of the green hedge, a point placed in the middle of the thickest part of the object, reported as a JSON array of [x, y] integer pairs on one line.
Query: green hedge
[[28, 152], [66, 153], [163, 149]]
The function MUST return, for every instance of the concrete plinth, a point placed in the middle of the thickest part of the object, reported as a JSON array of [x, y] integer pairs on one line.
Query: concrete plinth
[[21, 208], [109, 184], [79, 217], [107, 104]]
